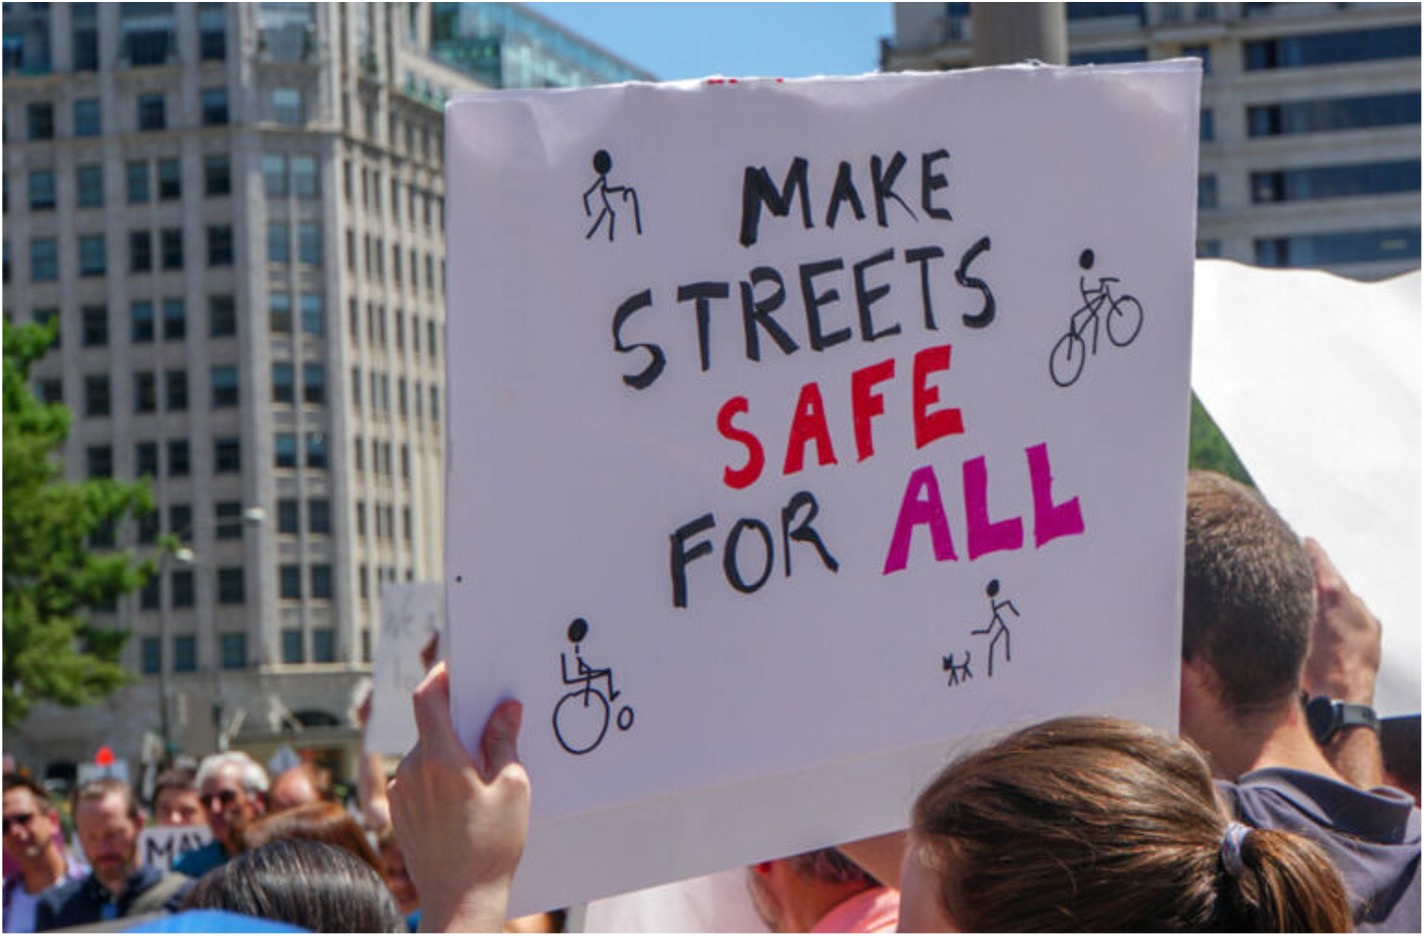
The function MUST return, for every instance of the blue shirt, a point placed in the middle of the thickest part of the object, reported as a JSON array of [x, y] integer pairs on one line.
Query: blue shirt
[[200, 861]]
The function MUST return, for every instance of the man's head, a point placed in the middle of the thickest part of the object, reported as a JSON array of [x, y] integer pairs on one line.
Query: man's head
[[792, 894], [1249, 601], [108, 823], [30, 820], [233, 789], [175, 799], [295, 787]]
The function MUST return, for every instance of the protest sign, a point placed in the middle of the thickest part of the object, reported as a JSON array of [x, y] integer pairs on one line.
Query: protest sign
[[412, 615], [1316, 382], [801, 429], [161, 846]]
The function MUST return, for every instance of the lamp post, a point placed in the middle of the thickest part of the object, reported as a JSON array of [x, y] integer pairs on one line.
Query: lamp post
[[185, 557], [252, 517]]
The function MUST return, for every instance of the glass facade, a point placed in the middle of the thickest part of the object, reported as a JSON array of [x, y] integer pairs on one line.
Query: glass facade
[[1333, 48], [1312, 250], [1334, 114], [1336, 181]]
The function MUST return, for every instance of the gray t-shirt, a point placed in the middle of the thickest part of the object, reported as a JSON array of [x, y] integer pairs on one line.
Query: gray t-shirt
[[1372, 836]]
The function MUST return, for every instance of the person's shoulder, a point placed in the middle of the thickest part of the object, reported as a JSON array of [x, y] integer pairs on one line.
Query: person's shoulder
[[200, 861], [62, 892]]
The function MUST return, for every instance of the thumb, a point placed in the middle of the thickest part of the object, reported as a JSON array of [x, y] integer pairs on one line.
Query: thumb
[[497, 744]]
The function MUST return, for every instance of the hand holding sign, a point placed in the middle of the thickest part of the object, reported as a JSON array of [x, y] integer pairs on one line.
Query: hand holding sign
[[461, 821]]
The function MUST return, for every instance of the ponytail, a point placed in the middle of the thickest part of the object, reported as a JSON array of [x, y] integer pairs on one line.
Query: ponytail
[[1276, 882]]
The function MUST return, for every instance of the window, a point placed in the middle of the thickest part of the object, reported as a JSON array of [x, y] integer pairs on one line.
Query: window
[[361, 518], [351, 251], [151, 655], [225, 387], [1307, 250], [89, 185], [149, 594], [436, 406], [217, 175], [1332, 48], [405, 461], [220, 245], [288, 517], [401, 396], [290, 582], [1336, 181], [228, 520], [279, 313], [170, 180], [309, 242], [178, 460], [222, 317], [231, 588], [176, 390], [314, 385], [233, 650], [431, 344], [141, 258], [180, 521], [146, 396], [95, 321], [175, 320], [304, 177], [284, 450], [1202, 53], [316, 450], [185, 653], [292, 651], [283, 383], [84, 22], [313, 317], [146, 460], [99, 461], [227, 455], [359, 453], [324, 644], [1207, 192], [1208, 247], [91, 255], [149, 522], [39, 120], [42, 197], [1334, 114], [44, 260], [1109, 56], [364, 589], [171, 248], [215, 107], [279, 245], [274, 175], [319, 516], [103, 538], [212, 32], [136, 174], [287, 106], [151, 112], [406, 523], [356, 387], [1206, 129], [182, 585], [141, 325]]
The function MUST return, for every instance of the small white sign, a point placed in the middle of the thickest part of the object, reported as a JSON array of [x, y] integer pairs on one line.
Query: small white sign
[[412, 616], [162, 846]]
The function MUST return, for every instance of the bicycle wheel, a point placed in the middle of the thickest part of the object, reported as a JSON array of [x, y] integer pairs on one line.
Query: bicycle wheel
[[1067, 359], [1126, 317], [580, 720]]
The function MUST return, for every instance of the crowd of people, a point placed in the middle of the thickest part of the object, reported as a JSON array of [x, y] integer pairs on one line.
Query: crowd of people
[[1272, 811]]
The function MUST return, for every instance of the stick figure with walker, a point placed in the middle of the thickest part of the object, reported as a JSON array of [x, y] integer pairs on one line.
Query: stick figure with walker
[[603, 162], [997, 627], [581, 716]]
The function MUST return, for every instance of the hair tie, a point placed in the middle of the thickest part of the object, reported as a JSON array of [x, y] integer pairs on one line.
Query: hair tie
[[1232, 850]]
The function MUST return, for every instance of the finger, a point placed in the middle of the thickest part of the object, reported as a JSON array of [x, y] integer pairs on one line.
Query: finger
[[1323, 570], [498, 741], [432, 705]]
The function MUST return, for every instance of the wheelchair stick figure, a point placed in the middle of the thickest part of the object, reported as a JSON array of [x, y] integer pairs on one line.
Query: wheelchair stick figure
[[581, 717]]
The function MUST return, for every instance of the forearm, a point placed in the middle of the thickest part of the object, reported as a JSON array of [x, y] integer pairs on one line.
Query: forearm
[[1355, 753]]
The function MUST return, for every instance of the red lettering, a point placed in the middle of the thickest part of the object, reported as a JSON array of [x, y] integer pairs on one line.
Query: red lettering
[[866, 404], [809, 424], [740, 478], [931, 426]]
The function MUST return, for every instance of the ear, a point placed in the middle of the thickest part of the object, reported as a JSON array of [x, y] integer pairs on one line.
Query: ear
[[139, 823]]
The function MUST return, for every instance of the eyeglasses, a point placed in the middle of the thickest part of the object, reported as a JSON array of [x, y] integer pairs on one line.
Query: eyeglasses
[[226, 797], [20, 819]]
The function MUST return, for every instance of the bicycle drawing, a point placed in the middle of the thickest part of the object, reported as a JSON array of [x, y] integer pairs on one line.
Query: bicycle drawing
[[581, 717], [603, 162], [997, 628], [1123, 317]]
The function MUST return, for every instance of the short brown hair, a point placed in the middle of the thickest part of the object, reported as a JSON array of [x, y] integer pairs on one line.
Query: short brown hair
[[1102, 824], [100, 787], [19, 781], [1249, 597]]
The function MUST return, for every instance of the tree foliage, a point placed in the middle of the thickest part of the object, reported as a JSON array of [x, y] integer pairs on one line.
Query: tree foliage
[[51, 577], [1209, 449]]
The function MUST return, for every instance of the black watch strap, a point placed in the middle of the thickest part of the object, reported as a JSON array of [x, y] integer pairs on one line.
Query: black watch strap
[[1327, 717]]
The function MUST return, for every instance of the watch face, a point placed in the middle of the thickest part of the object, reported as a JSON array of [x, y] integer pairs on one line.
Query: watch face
[[1321, 718]]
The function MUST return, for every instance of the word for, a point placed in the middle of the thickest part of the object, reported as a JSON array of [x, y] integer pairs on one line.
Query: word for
[[764, 293], [797, 517], [923, 506], [809, 420], [759, 192]]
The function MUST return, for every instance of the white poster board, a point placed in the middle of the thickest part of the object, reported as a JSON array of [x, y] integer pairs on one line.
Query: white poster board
[[161, 846], [782, 452], [1316, 381], [411, 615]]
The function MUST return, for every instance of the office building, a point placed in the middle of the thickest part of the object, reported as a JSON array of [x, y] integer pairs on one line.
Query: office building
[[1310, 132]]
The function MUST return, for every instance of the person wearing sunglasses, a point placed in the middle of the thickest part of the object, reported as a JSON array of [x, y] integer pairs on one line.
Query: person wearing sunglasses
[[233, 789], [31, 824]]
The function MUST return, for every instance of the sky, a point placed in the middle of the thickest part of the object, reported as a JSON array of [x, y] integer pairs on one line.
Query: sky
[[771, 40]]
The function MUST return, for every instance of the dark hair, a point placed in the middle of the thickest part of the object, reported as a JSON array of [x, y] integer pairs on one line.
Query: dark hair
[[309, 884], [19, 781], [830, 866], [100, 787], [1249, 597], [314, 822], [1102, 824], [179, 778]]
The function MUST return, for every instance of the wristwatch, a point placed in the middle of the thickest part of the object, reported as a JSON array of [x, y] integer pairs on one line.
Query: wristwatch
[[1327, 716]]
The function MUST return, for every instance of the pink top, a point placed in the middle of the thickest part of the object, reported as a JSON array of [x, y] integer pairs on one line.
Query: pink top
[[874, 910]]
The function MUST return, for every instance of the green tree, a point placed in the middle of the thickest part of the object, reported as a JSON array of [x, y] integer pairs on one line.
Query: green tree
[[1208, 448], [51, 577]]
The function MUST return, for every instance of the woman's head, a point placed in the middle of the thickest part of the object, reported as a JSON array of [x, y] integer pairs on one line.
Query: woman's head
[[306, 883], [317, 822], [1101, 824]]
